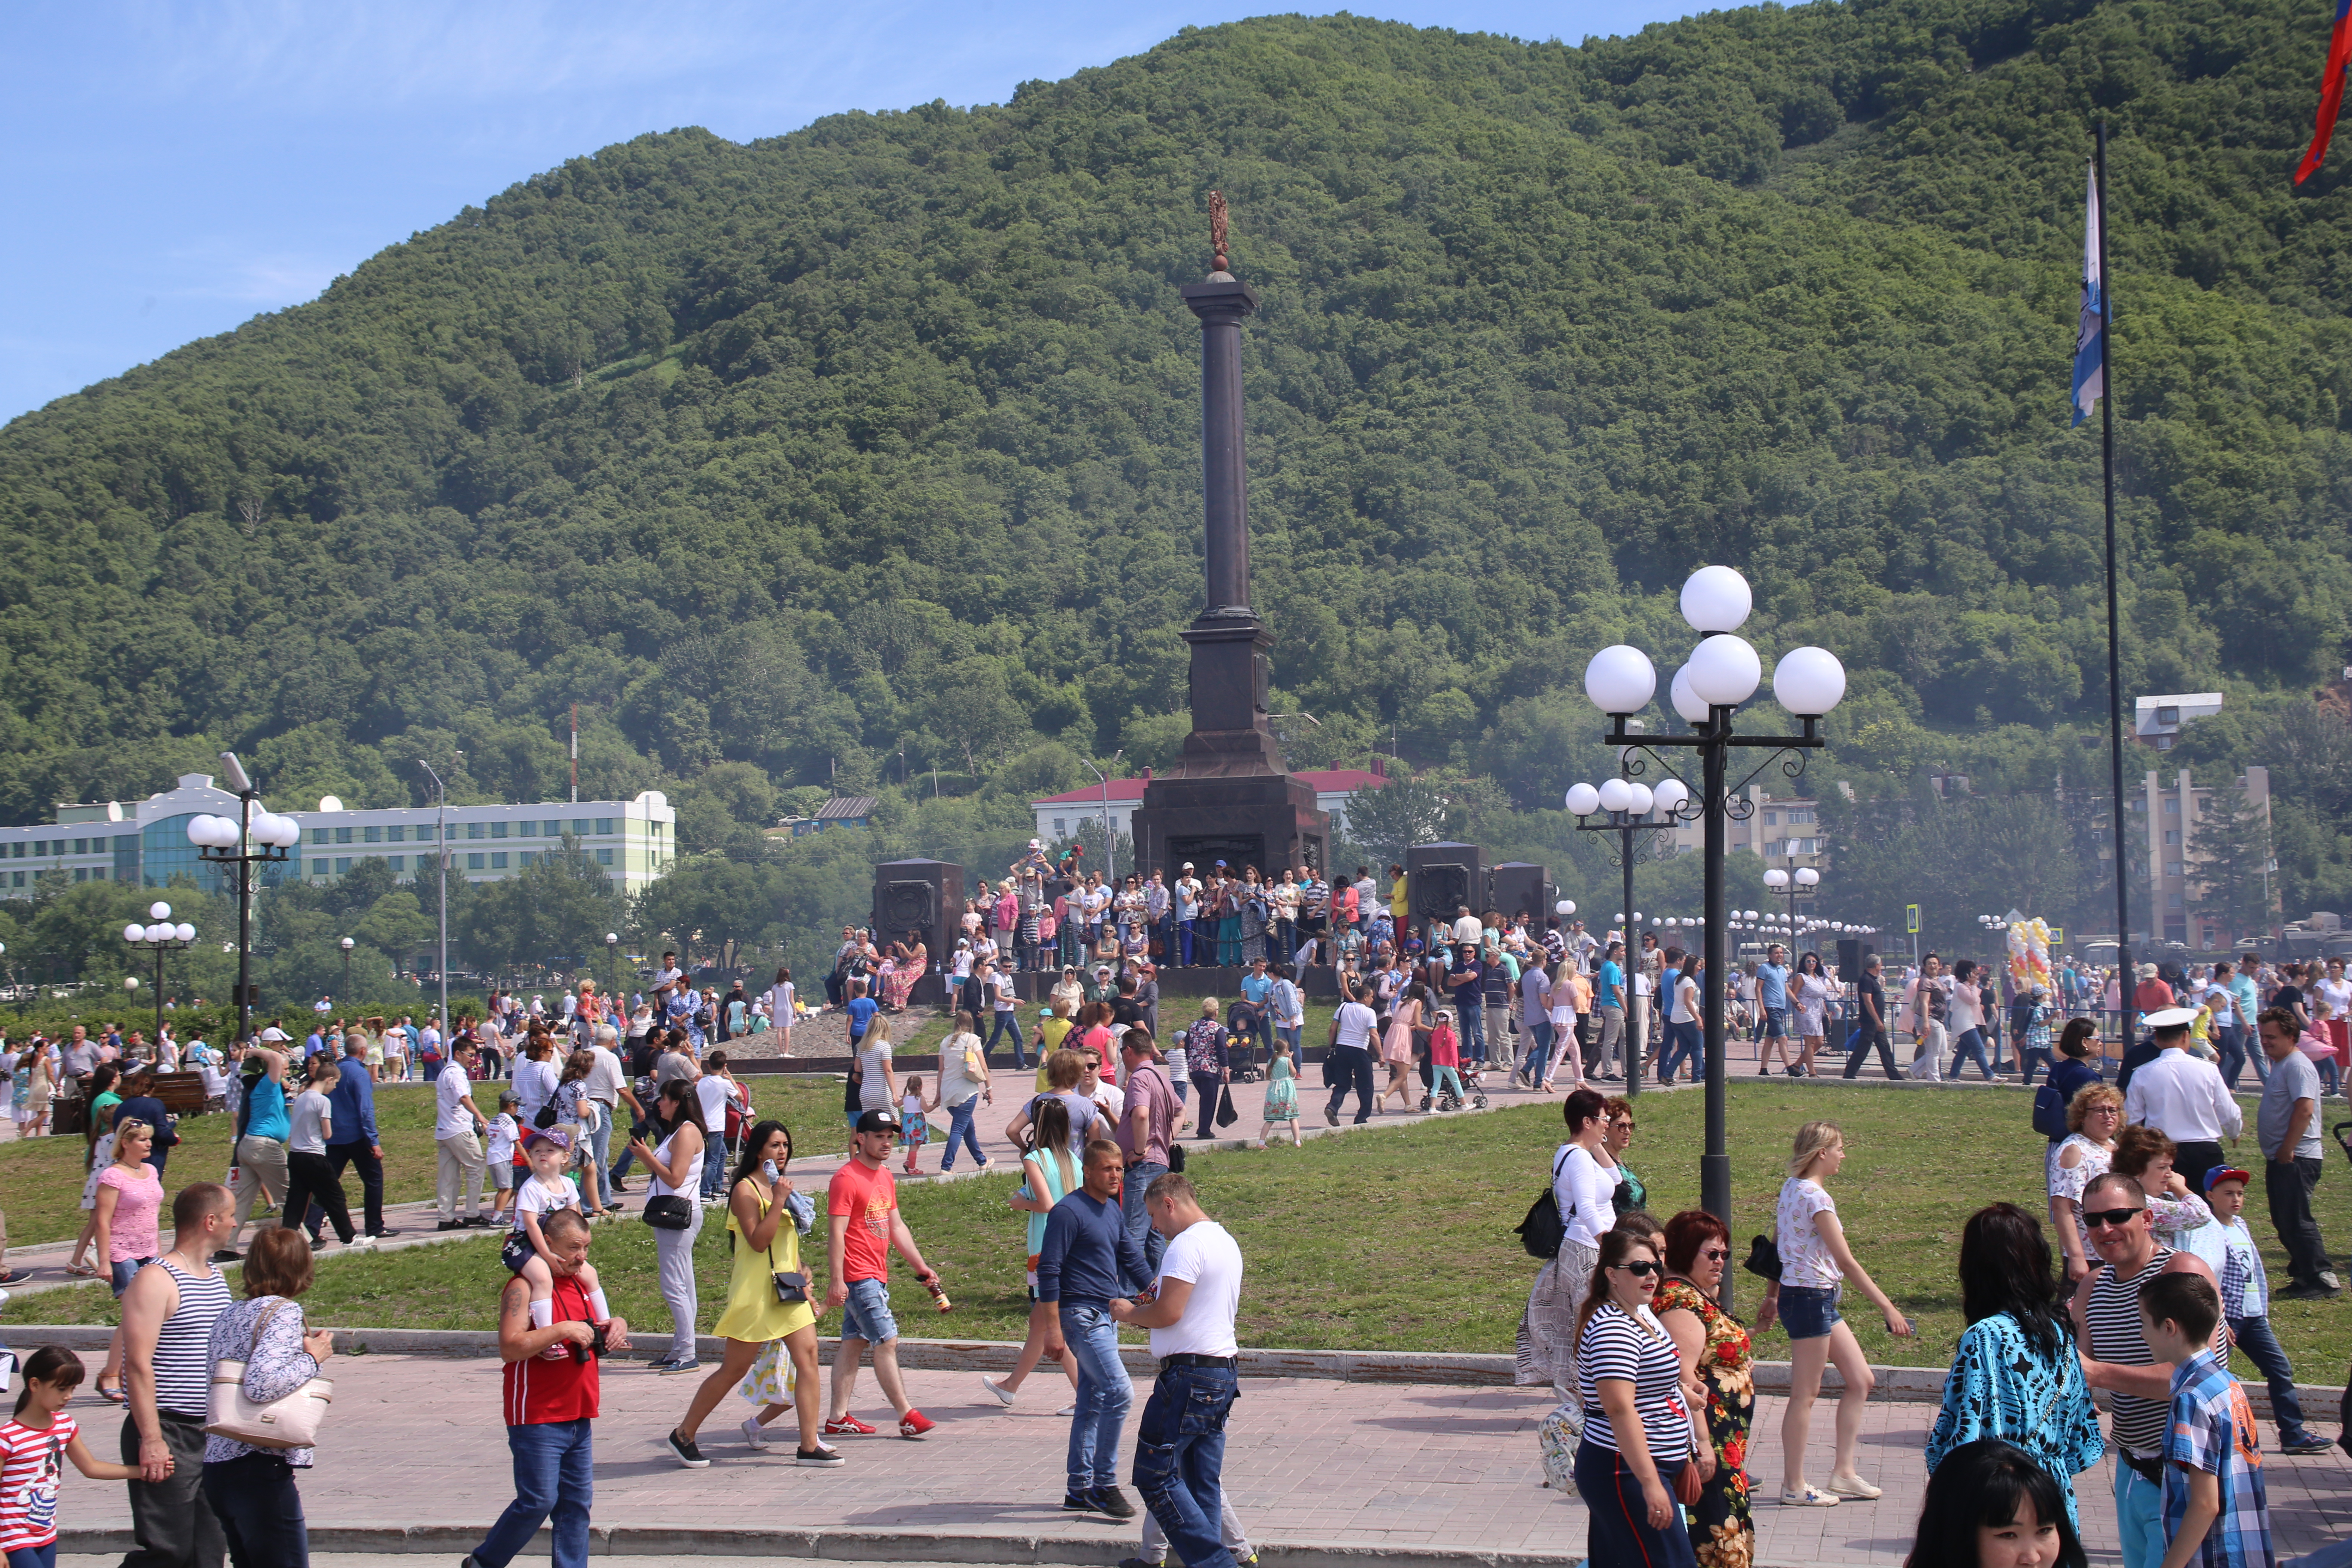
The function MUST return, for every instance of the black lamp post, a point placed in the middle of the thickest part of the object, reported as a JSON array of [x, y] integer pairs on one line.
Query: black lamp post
[[1626, 807], [163, 936], [253, 838], [1722, 672]]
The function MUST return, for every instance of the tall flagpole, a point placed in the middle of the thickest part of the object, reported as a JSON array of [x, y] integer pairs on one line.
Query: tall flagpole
[[2125, 978]]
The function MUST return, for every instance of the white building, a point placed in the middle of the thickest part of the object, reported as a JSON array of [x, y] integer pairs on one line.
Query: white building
[[146, 842], [2173, 814], [1058, 815], [1786, 832], [2156, 721]]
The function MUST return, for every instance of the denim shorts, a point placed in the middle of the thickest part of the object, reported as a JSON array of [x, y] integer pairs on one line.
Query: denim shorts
[[867, 1314], [121, 1275], [1776, 1023], [1809, 1312]]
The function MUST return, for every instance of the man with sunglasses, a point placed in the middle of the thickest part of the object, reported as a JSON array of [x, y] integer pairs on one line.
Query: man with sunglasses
[[2107, 1321]]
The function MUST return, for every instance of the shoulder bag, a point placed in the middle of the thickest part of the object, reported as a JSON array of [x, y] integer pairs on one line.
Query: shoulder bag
[[1545, 1228], [288, 1422]]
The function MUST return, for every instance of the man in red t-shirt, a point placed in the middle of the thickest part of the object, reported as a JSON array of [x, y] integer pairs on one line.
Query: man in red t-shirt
[[862, 1204], [550, 1401]]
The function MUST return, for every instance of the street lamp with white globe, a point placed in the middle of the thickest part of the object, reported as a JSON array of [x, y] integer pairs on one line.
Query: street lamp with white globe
[[251, 838], [1627, 807], [162, 935], [1721, 672]]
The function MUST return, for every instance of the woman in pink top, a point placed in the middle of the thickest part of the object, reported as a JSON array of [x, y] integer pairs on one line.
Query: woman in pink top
[[130, 1199]]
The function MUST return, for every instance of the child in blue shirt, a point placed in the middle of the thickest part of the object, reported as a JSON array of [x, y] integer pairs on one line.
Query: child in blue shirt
[[2216, 1510], [2245, 1307]]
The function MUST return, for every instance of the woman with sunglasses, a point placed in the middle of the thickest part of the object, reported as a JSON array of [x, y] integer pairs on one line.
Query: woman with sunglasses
[[1618, 1138], [1637, 1426], [1716, 1354], [2093, 1117], [2016, 1374]]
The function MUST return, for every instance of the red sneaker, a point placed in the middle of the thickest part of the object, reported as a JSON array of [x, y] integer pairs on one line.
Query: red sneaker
[[848, 1426], [913, 1424]]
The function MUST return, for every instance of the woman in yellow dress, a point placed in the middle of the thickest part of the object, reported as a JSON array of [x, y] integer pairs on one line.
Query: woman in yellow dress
[[763, 1238]]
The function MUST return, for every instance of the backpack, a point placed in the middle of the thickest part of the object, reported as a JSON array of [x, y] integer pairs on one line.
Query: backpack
[[2049, 1110], [1545, 1227]]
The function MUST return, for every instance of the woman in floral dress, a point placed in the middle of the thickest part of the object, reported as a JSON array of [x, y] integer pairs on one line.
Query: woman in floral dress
[[1718, 1366]]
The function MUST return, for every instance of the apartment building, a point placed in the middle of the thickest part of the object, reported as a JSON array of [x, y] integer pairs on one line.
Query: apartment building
[[2173, 813]]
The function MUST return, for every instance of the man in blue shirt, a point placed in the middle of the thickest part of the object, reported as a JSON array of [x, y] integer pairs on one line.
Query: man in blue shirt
[[1610, 998], [1086, 1245], [861, 1009], [350, 1111], [1773, 994]]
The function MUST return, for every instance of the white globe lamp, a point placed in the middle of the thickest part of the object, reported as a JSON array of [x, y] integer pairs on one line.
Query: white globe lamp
[[1809, 681], [184, 931], [1723, 670], [1641, 798], [1775, 877], [1687, 702], [1616, 795], [1808, 877], [1716, 599], [1565, 907], [1620, 680], [1671, 795], [159, 911], [134, 933], [1583, 800]]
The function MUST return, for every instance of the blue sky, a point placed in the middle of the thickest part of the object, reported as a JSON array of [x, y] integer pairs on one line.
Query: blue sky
[[179, 168]]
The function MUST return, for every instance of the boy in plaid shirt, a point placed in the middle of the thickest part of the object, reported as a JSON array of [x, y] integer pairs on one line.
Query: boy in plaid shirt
[[2216, 1510]]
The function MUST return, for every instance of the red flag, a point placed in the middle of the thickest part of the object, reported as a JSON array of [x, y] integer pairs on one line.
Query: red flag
[[2331, 91]]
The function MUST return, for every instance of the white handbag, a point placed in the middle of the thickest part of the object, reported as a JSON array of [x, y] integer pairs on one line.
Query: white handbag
[[288, 1422]]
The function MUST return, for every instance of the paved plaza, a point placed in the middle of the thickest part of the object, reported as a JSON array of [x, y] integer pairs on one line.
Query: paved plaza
[[1401, 1470]]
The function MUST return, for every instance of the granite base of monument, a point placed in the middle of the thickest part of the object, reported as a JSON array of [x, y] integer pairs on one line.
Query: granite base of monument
[[1266, 820]]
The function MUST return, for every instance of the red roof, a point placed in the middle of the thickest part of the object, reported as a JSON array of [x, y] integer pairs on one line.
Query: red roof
[[1129, 791]]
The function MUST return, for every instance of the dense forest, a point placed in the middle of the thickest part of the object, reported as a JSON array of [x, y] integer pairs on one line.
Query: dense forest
[[867, 455]]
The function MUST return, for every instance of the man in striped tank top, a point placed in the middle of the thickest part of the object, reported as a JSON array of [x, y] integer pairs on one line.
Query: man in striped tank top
[[167, 1367], [2107, 1325]]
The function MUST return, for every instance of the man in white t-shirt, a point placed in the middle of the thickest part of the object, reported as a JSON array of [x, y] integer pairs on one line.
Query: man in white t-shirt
[[457, 1131], [1351, 1059], [712, 1091], [608, 1086], [1179, 1450]]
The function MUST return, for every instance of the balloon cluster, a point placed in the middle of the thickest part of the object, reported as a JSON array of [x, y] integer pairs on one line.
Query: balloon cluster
[[2029, 954]]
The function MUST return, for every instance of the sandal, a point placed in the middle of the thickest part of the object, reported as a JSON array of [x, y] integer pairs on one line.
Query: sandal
[[111, 1395], [81, 1271], [1812, 1496]]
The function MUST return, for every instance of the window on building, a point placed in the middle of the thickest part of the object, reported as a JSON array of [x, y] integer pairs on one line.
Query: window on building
[[397, 862], [603, 825], [1771, 819], [2172, 805], [342, 835], [2164, 742], [474, 862], [16, 878], [529, 857], [2172, 868], [473, 830], [41, 846], [20, 850], [318, 836], [81, 847], [371, 835], [342, 864], [394, 835], [318, 868], [499, 860], [1061, 827], [1801, 816], [497, 830], [604, 858], [2172, 900], [2172, 836], [580, 826], [81, 873], [2168, 715]]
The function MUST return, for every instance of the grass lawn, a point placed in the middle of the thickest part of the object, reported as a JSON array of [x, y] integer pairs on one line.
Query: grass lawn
[[42, 1177], [1401, 1240]]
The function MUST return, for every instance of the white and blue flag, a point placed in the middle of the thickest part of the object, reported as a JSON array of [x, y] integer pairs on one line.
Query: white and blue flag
[[2090, 371]]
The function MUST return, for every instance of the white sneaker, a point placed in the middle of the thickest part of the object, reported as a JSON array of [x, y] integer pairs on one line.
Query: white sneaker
[[1067, 1411], [753, 1434], [1003, 1396]]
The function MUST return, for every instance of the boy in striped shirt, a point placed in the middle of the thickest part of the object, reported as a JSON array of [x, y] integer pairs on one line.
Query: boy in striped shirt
[[2216, 1510]]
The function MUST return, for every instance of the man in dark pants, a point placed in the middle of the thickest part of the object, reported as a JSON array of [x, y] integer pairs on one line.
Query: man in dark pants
[[1468, 980], [2287, 1127], [1871, 1029], [167, 1328], [1179, 1448], [351, 1113], [1351, 1058]]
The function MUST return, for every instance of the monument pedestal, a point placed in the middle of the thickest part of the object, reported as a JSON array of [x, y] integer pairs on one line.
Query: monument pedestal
[[1266, 820]]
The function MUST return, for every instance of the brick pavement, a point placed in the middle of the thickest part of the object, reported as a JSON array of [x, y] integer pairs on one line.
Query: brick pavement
[[413, 1440]]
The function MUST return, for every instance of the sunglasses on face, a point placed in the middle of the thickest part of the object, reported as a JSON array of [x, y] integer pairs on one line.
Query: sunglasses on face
[[2116, 1218], [1646, 1271], [1717, 1254]]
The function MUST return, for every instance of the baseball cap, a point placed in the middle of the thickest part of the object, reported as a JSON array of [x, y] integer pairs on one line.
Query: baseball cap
[[1221, 863], [1188, 865], [555, 1135], [2227, 1173], [878, 1121], [508, 1097]]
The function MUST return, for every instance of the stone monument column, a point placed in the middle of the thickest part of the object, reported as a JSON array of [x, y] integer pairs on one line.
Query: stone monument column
[[1229, 796]]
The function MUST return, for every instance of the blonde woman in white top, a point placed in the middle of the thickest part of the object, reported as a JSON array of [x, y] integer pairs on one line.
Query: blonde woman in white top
[[1815, 1265]]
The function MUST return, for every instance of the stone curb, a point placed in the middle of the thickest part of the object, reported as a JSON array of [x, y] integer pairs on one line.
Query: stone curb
[[857, 1546], [1895, 1385]]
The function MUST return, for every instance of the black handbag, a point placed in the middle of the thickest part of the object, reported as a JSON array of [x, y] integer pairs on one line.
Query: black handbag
[[669, 1211], [546, 1117], [1227, 1114], [1763, 1258], [1545, 1227]]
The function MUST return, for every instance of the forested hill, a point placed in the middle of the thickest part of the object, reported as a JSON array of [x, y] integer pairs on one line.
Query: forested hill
[[879, 438]]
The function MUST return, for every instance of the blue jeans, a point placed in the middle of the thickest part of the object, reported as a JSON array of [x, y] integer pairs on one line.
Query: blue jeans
[[1008, 1022], [600, 1148], [2026, 1057], [1138, 1222], [1104, 1395], [1534, 1064], [1684, 1042], [260, 1511], [2139, 1516], [959, 1131], [1617, 1518], [714, 1164], [1179, 1457], [554, 1474], [2253, 1336], [2231, 1047], [1970, 1043], [36, 1556], [1473, 1033], [1229, 942]]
